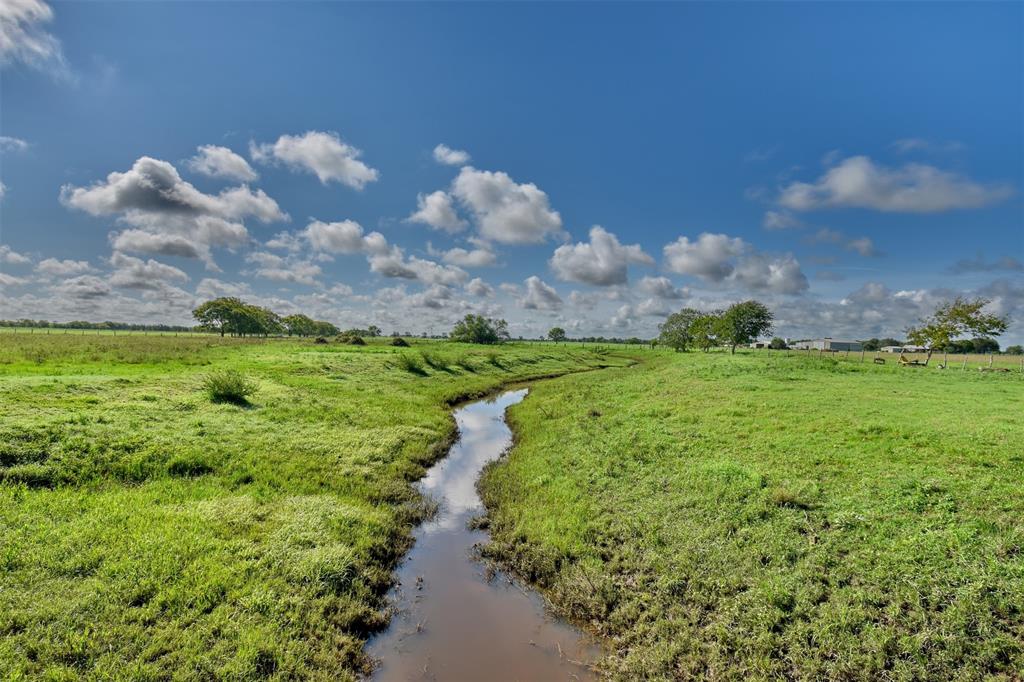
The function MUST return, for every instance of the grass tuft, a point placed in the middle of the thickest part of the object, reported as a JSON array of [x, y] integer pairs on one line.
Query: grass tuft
[[229, 386], [411, 363]]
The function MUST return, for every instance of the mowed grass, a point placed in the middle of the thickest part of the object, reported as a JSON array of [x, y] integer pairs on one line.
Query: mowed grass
[[149, 532], [773, 517]]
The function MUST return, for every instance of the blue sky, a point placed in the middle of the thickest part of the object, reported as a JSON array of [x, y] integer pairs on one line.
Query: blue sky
[[849, 164]]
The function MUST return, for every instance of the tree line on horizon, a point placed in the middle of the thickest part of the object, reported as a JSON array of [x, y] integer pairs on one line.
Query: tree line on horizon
[[739, 324], [744, 323]]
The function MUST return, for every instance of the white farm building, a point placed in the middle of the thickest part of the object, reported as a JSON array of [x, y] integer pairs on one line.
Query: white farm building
[[826, 344]]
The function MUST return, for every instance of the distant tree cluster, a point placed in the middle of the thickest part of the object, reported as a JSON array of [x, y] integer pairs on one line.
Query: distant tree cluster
[[301, 325], [878, 344], [234, 316], [632, 340], [373, 331], [100, 326], [480, 329], [980, 346], [738, 324]]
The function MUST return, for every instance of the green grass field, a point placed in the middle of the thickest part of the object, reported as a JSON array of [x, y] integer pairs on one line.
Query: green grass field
[[771, 517], [149, 533], [714, 516]]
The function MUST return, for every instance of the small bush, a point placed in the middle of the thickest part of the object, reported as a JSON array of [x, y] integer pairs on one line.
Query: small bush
[[399, 342], [356, 341], [410, 363], [319, 340], [229, 386]]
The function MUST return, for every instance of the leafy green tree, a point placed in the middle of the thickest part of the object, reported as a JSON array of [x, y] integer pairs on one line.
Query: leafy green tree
[[321, 328], [677, 329], [1014, 350], [373, 330], [299, 325], [777, 344], [556, 334], [479, 329], [743, 323], [954, 319], [236, 317], [704, 330], [220, 314]]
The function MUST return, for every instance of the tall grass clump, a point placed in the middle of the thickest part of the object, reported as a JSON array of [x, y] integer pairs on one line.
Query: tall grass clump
[[399, 342], [229, 386], [434, 360], [411, 363]]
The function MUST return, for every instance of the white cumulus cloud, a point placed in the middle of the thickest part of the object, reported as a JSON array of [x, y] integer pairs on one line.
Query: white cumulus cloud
[[661, 287], [135, 273], [221, 162], [22, 38], [12, 144], [478, 287], [11, 257], [539, 295], [322, 153], [506, 211], [718, 258], [152, 198], [52, 267], [602, 261], [859, 182], [450, 157], [343, 236], [472, 258], [437, 210]]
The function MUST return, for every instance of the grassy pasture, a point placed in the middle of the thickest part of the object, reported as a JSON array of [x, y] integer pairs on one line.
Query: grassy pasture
[[147, 532], [957, 361], [774, 516]]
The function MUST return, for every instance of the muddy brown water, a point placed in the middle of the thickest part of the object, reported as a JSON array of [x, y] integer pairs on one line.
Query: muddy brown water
[[453, 623]]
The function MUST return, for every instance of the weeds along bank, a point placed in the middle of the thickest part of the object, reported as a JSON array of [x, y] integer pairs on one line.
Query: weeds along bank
[[149, 532], [775, 517]]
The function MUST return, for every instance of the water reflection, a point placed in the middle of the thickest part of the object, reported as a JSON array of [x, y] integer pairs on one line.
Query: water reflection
[[452, 623]]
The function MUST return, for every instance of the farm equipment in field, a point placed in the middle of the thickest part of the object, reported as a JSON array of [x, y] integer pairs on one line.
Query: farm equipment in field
[[907, 362]]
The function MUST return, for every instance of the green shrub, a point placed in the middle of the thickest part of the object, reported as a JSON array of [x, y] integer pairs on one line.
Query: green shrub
[[399, 342], [410, 363], [229, 386], [356, 341]]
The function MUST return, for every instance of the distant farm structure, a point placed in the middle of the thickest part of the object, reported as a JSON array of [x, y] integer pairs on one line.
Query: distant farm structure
[[903, 349], [826, 344]]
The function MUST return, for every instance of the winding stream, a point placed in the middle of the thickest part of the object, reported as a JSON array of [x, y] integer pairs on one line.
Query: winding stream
[[452, 622]]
